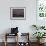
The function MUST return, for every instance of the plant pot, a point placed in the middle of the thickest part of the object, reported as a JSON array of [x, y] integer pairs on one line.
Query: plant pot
[[40, 41]]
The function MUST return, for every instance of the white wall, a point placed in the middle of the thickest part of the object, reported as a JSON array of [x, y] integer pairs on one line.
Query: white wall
[[24, 25]]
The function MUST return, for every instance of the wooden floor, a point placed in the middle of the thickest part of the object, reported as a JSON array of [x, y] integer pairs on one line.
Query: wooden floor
[[13, 44]]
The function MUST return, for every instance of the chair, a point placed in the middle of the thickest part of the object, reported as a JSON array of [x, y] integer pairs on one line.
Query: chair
[[14, 32], [25, 37]]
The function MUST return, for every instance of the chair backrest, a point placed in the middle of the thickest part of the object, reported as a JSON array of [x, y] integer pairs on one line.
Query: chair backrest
[[14, 30]]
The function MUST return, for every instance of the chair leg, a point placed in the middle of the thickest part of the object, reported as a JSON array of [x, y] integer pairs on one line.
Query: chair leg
[[5, 43], [5, 40]]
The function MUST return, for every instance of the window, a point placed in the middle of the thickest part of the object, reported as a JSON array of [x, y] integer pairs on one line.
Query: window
[[41, 8]]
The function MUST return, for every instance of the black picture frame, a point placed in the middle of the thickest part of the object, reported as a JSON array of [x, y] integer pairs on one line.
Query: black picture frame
[[17, 13]]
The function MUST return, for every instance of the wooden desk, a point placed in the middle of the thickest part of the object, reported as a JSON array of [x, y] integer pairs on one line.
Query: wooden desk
[[8, 34]]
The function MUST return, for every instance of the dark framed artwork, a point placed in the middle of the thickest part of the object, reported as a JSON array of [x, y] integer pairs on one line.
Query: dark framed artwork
[[17, 13]]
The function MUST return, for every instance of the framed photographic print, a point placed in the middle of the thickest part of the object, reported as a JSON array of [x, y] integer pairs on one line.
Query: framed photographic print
[[18, 13]]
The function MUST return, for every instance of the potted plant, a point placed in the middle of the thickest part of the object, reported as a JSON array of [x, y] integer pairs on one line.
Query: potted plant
[[39, 35]]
